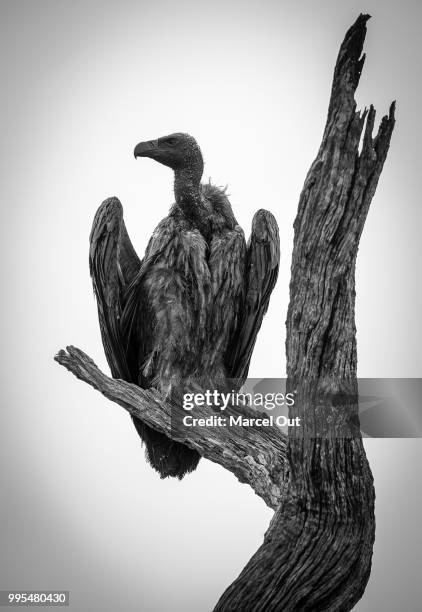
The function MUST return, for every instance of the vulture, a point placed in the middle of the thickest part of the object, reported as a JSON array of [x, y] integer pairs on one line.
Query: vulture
[[186, 316]]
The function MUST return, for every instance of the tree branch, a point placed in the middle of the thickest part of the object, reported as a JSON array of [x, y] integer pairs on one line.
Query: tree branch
[[256, 455]]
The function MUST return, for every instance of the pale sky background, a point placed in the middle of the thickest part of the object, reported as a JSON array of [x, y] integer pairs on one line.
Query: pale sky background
[[83, 82]]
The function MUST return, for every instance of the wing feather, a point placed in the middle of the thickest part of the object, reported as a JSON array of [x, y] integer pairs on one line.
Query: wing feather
[[262, 263], [136, 321], [112, 263], [227, 266]]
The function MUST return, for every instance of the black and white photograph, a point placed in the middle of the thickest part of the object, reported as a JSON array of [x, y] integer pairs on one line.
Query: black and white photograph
[[211, 339]]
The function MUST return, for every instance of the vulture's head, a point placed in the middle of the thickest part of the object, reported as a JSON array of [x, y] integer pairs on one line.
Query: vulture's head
[[177, 151]]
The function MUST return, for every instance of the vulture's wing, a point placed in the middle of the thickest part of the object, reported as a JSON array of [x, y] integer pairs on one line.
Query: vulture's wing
[[113, 263], [262, 262], [136, 323]]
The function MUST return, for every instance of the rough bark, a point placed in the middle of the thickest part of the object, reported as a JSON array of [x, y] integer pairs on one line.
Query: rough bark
[[317, 552]]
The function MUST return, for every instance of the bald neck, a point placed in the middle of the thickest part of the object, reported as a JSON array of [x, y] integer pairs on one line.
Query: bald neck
[[187, 181], [186, 185]]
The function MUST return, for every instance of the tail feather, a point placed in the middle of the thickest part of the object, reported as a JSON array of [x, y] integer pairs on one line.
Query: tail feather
[[167, 457]]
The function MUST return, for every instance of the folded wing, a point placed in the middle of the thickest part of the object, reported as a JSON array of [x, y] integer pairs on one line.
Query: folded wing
[[113, 263], [262, 264]]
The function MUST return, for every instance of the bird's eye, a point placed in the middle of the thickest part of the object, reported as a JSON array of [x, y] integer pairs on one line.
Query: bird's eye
[[171, 141]]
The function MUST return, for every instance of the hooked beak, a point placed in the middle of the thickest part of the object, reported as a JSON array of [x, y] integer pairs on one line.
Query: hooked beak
[[146, 149]]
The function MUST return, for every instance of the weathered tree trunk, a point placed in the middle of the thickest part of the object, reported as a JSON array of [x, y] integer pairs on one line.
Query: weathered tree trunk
[[317, 552]]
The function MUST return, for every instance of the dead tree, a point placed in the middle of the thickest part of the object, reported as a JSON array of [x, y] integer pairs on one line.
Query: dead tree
[[317, 552]]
